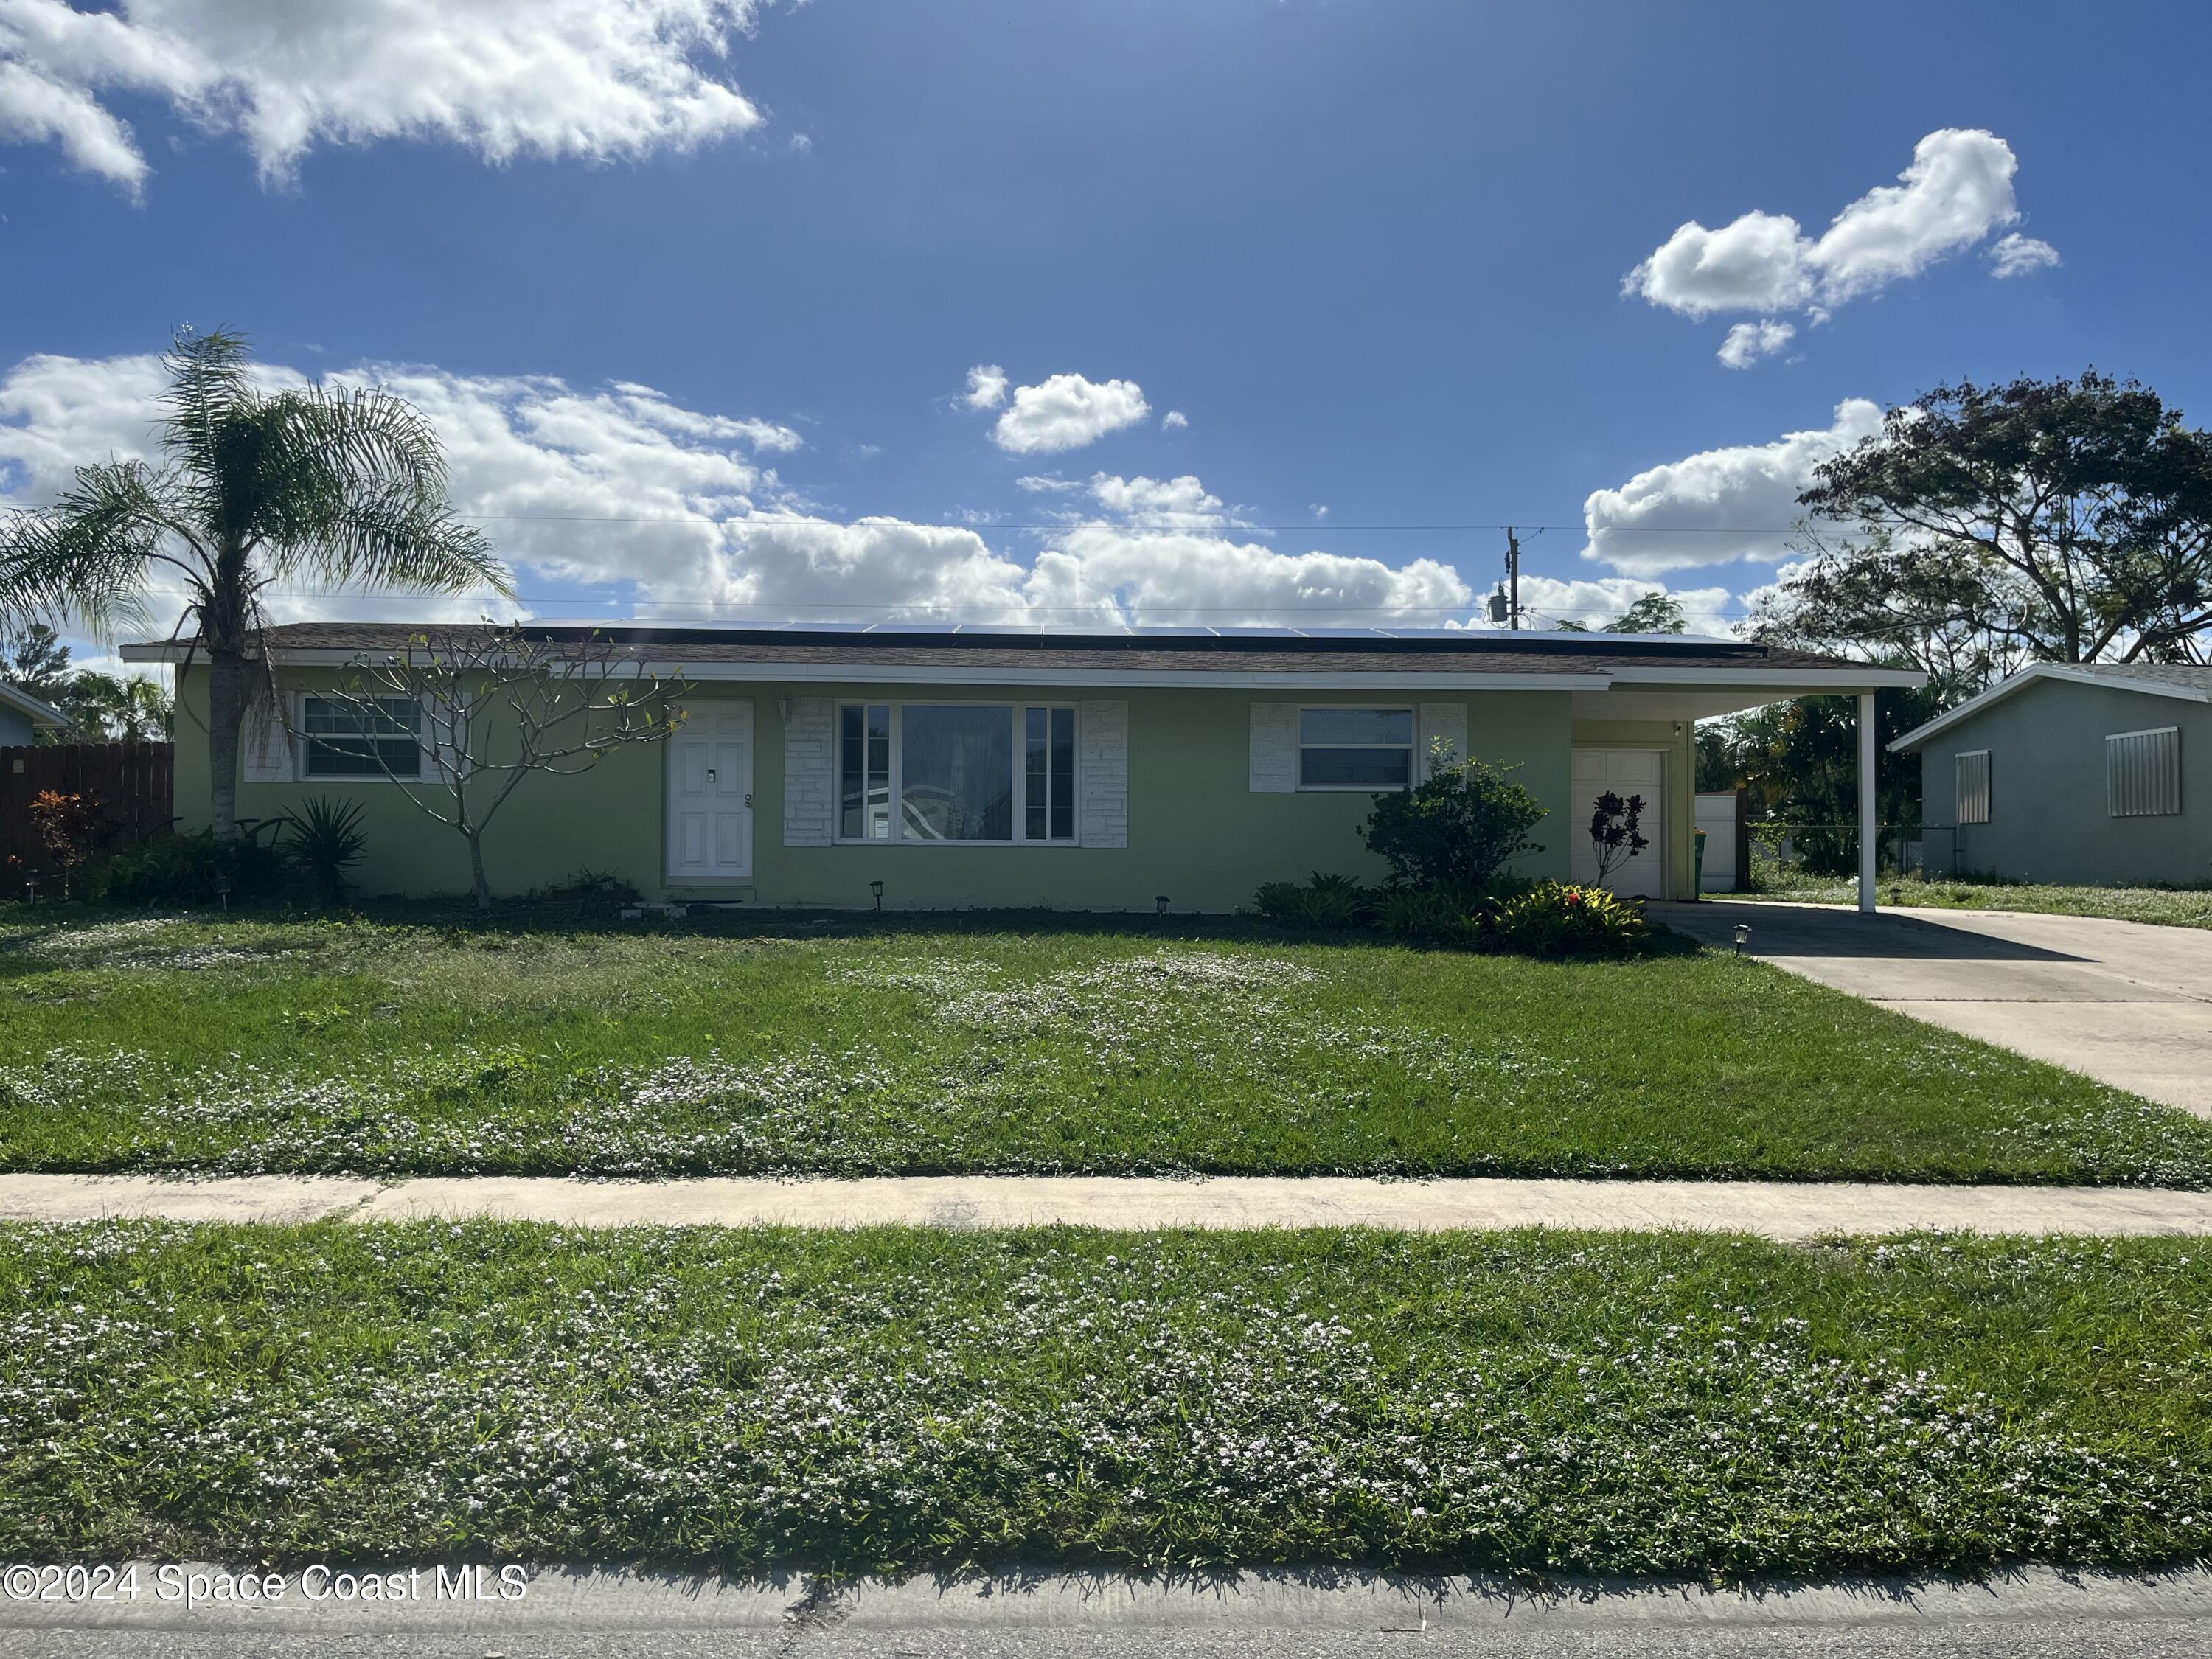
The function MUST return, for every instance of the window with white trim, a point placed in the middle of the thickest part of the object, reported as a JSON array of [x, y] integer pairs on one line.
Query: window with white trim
[[1364, 749], [1970, 775], [369, 737], [956, 772], [2142, 773]]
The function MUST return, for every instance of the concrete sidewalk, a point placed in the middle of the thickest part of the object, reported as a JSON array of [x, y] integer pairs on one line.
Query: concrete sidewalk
[[1776, 1210], [2123, 1002]]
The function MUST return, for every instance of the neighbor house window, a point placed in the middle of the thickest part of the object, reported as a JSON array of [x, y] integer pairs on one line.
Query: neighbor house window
[[1355, 748], [374, 738], [1970, 778], [2142, 773], [956, 772]]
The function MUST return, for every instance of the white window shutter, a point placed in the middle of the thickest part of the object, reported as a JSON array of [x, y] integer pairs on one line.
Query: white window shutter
[[809, 779], [1102, 773], [1447, 720], [265, 746], [1275, 757]]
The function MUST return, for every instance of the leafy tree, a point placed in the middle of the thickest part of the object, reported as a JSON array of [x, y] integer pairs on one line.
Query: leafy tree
[[342, 487], [1797, 763], [1655, 612], [100, 708], [2062, 522], [110, 709], [1456, 828], [33, 659]]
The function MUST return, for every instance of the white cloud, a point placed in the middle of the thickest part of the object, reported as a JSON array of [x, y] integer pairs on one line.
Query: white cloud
[[1046, 484], [2016, 255], [1176, 503], [1174, 421], [598, 80], [1548, 601], [673, 511], [1958, 191], [1756, 263], [1747, 343], [1067, 411], [986, 386], [1719, 505]]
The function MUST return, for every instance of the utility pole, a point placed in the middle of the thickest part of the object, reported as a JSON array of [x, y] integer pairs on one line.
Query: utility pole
[[1513, 576]]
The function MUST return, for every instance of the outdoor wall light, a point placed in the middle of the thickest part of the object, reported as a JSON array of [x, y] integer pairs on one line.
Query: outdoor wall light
[[1160, 904], [783, 707], [877, 888], [1742, 936]]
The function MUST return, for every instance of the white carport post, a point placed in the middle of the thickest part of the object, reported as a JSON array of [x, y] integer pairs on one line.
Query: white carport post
[[1867, 827]]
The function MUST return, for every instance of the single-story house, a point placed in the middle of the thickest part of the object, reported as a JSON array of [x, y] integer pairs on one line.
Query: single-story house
[[22, 716], [1095, 770], [2095, 774]]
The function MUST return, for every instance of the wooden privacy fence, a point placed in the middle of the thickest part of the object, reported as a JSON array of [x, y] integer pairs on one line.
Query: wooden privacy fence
[[127, 787]]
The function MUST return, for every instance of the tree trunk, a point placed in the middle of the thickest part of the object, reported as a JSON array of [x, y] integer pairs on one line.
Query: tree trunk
[[226, 689], [476, 869]]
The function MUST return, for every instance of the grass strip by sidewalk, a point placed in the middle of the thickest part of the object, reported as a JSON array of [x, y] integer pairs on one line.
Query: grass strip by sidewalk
[[904, 1401], [2165, 907], [756, 1045]]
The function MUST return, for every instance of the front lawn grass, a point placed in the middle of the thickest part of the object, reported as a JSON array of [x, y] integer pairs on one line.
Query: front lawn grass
[[750, 1045], [2166, 907], [899, 1400]]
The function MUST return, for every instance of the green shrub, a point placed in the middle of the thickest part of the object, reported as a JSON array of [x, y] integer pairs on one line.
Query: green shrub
[[325, 839], [1552, 920], [1457, 828], [1432, 915], [1324, 902], [183, 870]]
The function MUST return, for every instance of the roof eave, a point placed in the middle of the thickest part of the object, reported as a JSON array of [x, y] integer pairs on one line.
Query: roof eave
[[2027, 676]]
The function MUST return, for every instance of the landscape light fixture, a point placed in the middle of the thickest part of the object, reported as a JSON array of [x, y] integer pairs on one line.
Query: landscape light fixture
[[1160, 904], [878, 887], [31, 882], [222, 892], [1742, 936]]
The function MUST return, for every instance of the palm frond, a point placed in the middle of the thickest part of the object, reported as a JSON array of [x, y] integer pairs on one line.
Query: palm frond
[[87, 556], [392, 538], [208, 384]]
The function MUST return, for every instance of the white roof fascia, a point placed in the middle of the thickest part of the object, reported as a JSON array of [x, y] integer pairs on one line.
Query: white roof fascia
[[2027, 676], [24, 703], [1800, 680]]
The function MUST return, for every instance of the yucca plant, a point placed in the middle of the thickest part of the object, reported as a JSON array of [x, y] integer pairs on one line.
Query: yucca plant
[[325, 839]]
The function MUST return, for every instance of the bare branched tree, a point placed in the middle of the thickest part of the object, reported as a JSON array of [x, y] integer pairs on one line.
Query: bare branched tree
[[457, 721]]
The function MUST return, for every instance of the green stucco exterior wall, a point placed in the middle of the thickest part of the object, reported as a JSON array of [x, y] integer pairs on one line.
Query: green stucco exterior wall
[[1198, 834]]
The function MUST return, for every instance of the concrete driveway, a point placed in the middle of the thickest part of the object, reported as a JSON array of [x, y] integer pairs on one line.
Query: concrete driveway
[[2128, 1004]]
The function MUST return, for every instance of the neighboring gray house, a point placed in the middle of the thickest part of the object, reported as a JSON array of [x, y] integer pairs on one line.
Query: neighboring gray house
[[2092, 775], [21, 714]]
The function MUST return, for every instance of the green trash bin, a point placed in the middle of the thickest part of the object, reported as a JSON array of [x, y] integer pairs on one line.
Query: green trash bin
[[1698, 885]]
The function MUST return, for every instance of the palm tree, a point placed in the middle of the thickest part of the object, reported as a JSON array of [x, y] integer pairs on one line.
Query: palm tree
[[339, 487]]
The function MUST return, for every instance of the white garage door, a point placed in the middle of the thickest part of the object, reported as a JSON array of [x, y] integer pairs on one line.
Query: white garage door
[[1625, 773]]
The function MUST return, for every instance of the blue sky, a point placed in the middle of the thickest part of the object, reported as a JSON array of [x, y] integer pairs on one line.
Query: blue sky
[[699, 323]]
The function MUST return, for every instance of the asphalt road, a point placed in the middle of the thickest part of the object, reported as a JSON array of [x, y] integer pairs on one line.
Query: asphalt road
[[1328, 1614], [2092, 1638]]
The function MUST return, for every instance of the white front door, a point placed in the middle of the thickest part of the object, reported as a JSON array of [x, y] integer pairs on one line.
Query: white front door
[[710, 795], [1627, 773]]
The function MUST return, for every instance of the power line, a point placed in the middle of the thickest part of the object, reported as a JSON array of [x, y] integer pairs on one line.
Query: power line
[[1154, 526]]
